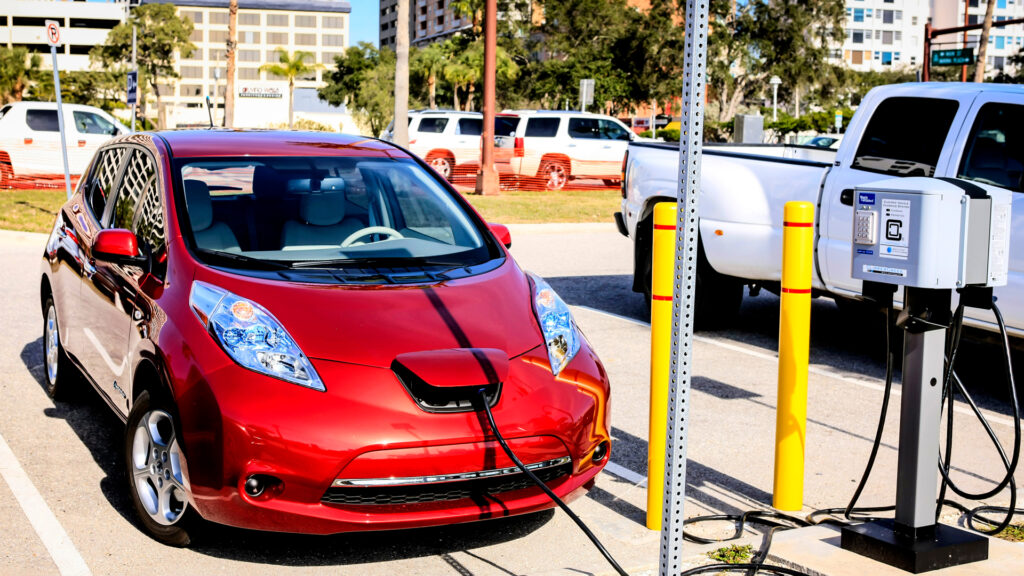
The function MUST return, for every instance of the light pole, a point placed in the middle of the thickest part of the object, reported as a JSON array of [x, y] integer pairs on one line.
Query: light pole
[[216, 87], [775, 81]]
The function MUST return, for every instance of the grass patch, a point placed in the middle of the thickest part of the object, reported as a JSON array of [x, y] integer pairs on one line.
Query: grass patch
[[30, 210], [516, 207], [1013, 533], [734, 554]]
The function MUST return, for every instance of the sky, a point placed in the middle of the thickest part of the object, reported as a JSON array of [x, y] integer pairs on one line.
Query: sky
[[364, 22]]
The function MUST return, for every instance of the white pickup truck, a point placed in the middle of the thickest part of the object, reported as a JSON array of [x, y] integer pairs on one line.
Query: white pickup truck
[[969, 131]]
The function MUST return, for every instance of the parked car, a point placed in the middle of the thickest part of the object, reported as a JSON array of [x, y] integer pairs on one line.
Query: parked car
[[558, 146], [449, 140], [965, 131], [30, 138], [831, 141], [299, 328]]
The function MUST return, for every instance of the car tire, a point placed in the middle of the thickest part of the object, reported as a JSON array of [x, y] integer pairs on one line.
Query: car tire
[[154, 474], [554, 173], [6, 174], [59, 373], [612, 182], [442, 164]]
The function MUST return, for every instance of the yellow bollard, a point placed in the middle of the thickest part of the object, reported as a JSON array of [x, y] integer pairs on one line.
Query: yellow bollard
[[663, 266], [794, 347]]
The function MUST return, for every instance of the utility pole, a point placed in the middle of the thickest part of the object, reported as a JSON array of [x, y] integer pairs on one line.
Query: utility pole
[[229, 91], [135, 67], [487, 177], [967, 22], [401, 132], [979, 71]]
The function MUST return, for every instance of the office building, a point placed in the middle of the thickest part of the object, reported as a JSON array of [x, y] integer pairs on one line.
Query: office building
[[1003, 42], [83, 25], [883, 34]]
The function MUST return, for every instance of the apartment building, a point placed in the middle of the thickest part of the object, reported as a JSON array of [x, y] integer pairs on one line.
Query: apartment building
[[429, 21], [83, 25], [1003, 42], [883, 34]]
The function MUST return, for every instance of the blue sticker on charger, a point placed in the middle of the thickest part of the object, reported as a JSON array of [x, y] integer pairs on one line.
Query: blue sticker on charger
[[865, 251], [866, 197]]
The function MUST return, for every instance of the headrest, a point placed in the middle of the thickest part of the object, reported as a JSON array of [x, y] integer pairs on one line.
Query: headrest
[[197, 200], [323, 209], [988, 154], [266, 182]]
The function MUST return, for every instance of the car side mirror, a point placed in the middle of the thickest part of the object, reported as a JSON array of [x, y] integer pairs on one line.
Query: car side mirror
[[501, 232], [117, 246]]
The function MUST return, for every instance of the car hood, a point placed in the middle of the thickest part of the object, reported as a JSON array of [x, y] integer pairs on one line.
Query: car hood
[[371, 325]]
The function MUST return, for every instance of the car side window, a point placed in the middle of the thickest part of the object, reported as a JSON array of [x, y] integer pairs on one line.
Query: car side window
[[470, 127], [586, 128], [612, 131], [90, 123], [104, 177], [149, 228], [542, 127], [995, 149], [432, 125], [42, 120], [139, 177], [905, 136]]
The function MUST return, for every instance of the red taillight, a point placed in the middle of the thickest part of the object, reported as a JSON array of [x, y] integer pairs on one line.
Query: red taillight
[[520, 151], [28, 140], [622, 181], [411, 142], [81, 143]]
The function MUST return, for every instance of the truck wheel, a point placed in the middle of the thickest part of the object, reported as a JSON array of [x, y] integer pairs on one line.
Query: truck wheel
[[718, 296], [444, 165], [554, 173]]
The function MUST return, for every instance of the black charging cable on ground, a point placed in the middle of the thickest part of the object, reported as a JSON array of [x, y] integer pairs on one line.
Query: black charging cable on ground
[[508, 451]]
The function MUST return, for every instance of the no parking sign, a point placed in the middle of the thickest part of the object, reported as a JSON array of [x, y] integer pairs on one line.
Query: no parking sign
[[53, 33], [53, 39]]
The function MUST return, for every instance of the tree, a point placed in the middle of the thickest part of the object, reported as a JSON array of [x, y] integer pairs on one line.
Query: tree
[[100, 88], [655, 47], [291, 66], [986, 25], [429, 62], [161, 34], [232, 48], [16, 69], [364, 80]]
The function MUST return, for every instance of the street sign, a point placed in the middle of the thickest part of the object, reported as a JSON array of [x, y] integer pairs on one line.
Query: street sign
[[53, 33], [132, 88], [955, 57], [586, 93]]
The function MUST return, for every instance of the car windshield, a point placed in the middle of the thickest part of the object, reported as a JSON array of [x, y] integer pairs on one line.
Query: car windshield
[[324, 212]]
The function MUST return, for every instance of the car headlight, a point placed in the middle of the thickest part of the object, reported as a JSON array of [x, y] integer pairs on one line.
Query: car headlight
[[560, 334], [251, 336]]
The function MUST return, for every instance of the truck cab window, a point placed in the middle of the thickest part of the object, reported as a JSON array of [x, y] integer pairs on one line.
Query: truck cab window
[[994, 153], [905, 136]]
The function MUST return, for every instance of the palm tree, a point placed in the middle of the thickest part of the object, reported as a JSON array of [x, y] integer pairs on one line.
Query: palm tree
[[291, 66], [430, 61], [16, 71], [229, 93]]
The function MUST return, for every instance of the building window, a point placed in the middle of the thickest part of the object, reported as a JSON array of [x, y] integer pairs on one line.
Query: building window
[[277, 38], [194, 15], [1000, 43], [190, 89], [332, 40], [913, 20], [972, 19], [1001, 4], [858, 37], [248, 19], [249, 37], [440, 21], [335, 22], [218, 36], [328, 57], [196, 36], [191, 71], [218, 72], [305, 21], [248, 73], [887, 16], [878, 34], [248, 55], [886, 58], [899, 36], [887, 37], [277, 20], [858, 14], [218, 17], [273, 56], [999, 63], [216, 54], [305, 39]]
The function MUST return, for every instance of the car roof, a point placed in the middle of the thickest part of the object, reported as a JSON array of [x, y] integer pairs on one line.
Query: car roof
[[51, 106], [229, 142], [553, 113]]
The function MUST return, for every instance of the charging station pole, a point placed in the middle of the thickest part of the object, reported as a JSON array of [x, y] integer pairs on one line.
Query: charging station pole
[[690, 147]]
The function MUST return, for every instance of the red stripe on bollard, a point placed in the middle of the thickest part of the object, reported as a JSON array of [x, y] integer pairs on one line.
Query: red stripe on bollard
[[796, 290], [663, 227], [799, 224], [661, 298]]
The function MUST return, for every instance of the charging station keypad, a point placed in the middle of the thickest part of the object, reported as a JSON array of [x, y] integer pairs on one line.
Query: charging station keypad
[[865, 227]]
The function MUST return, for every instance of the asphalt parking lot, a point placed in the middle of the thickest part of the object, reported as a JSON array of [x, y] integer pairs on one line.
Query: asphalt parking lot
[[64, 506]]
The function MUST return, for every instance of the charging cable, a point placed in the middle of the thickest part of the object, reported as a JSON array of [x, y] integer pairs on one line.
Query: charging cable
[[508, 451]]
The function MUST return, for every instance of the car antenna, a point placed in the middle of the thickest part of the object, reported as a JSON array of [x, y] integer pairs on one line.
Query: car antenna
[[209, 110]]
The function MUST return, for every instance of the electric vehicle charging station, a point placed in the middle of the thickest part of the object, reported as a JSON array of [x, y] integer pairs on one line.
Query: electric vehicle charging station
[[931, 236]]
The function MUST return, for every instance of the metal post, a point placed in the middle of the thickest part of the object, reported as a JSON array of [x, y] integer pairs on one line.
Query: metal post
[[926, 65], [401, 130], [794, 350], [690, 144], [775, 102], [135, 67], [487, 177], [60, 121]]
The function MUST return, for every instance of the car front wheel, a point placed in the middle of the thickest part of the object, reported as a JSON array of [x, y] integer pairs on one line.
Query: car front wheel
[[155, 477], [443, 165]]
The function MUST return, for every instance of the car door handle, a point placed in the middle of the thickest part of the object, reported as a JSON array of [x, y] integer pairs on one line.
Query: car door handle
[[607, 147], [572, 145], [846, 197]]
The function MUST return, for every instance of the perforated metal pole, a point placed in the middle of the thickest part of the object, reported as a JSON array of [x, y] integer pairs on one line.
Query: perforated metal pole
[[690, 145]]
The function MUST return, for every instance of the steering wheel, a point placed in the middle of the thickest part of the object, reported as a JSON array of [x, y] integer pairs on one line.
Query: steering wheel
[[389, 232]]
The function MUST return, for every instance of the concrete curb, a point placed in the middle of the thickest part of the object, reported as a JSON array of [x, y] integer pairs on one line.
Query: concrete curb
[[18, 238]]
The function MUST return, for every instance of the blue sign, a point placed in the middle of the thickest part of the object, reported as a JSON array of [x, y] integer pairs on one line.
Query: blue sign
[[132, 88], [866, 198]]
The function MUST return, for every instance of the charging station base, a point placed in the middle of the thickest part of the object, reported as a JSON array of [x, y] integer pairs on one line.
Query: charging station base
[[948, 547]]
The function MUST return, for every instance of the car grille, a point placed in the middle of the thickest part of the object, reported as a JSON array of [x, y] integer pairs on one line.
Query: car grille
[[443, 492]]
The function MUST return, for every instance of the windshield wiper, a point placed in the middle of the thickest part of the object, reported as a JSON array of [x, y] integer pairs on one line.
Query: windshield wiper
[[387, 262], [247, 261]]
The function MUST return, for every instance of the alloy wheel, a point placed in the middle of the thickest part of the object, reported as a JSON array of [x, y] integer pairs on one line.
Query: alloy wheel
[[156, 468]]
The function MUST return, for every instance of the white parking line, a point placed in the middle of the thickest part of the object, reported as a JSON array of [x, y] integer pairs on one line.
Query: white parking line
[[863, 381], [626, 474], [69, 562]]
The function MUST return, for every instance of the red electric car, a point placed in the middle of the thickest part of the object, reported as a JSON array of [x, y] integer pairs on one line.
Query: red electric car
[[300, 331]]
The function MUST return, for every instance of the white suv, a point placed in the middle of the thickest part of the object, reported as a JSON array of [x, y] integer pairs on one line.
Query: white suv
[[30, 138], [449, 140], [558, 146]]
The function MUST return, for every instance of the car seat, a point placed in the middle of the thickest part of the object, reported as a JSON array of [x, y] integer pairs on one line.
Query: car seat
[[209, 235], [323, 223]]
